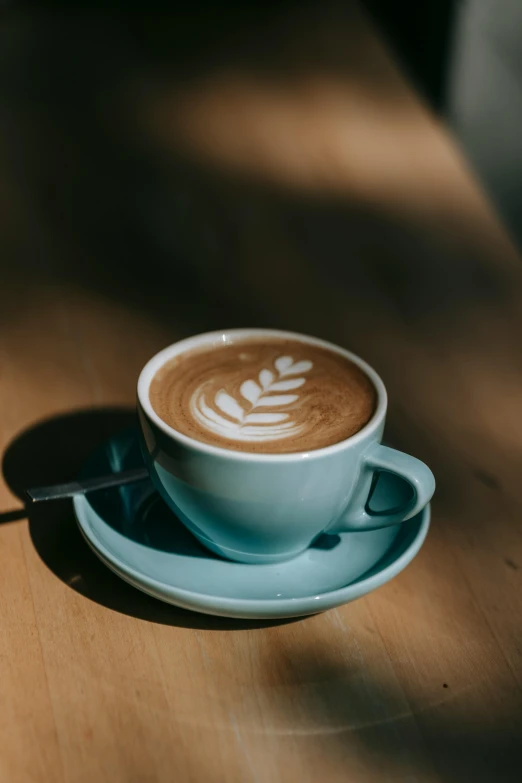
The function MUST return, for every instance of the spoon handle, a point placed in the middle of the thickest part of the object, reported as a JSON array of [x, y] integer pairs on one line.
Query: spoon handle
[[59, 491]]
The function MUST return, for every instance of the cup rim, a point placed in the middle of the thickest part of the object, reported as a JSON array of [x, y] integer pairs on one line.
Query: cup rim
[[228, 337]]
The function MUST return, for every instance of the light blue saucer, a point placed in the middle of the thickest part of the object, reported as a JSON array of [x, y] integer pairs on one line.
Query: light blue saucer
[[133, 532]]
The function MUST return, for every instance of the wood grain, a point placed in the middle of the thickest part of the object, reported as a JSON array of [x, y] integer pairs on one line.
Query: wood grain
[[256, 168]]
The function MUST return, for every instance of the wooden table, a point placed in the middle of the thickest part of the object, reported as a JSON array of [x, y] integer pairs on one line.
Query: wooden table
[[162, 175]]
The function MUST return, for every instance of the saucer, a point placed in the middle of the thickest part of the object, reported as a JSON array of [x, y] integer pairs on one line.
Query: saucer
[[136, 535]]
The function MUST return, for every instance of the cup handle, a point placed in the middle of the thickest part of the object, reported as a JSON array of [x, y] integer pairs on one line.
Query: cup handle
[[379, 458]]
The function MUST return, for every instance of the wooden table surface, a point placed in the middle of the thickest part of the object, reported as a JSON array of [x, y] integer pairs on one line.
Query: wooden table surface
[[162, 175]]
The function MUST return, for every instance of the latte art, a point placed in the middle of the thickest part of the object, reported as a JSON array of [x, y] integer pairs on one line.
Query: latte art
[[271, 396], [243, 420]]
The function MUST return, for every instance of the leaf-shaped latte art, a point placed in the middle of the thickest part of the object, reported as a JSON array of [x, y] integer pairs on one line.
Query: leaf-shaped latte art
[[265, 418], [293, 383], [266, 378], [251, 391], [283, 363], [277, 399], [240, 423], [228, 405], [297, 368]]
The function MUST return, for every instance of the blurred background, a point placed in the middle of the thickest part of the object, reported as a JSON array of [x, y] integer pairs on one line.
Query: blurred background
[[465, 56], [179, 168], [127, 134]]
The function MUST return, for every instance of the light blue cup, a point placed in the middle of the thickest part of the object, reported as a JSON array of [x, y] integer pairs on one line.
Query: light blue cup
[[267, 508]]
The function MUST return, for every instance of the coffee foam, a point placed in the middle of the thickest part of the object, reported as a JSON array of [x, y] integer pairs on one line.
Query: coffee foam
[[270, 396], [242, 419]]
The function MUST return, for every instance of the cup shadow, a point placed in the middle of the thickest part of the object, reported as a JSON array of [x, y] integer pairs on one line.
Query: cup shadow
[[54, 450]]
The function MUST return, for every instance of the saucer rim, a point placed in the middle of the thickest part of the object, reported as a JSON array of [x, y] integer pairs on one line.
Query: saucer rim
[[249, 608]]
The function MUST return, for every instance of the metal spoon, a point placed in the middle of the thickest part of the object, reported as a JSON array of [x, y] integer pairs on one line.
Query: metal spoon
[[59, 491]]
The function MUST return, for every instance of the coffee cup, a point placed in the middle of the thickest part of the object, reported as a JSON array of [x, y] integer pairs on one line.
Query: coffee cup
[[263, 507]]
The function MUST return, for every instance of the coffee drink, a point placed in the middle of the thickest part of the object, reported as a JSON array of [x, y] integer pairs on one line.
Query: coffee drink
[[270, 396]]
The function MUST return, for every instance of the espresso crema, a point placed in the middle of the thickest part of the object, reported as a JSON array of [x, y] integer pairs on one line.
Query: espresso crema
[[269, 396]]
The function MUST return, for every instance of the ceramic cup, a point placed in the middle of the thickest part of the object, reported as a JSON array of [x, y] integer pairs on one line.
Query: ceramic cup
[[267, 508]]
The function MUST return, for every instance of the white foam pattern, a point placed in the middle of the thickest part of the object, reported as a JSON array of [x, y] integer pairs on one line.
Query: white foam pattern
[[246, 419]]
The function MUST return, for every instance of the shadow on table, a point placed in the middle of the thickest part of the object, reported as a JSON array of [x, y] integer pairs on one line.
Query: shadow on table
[[135, 124], [53, 451], [354, 712]]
